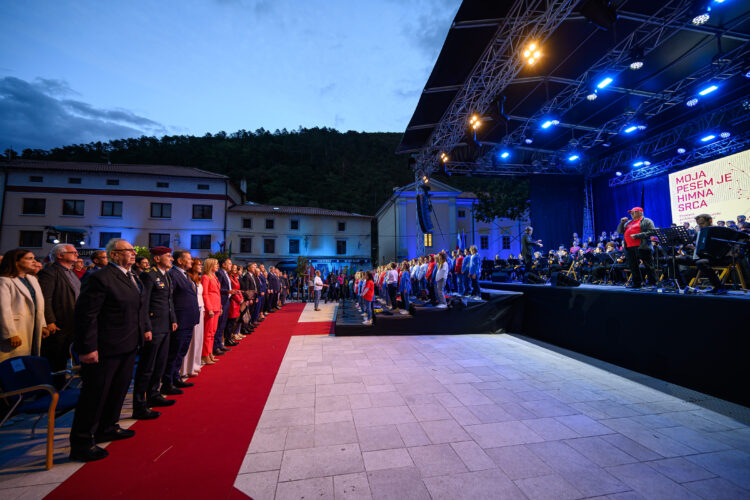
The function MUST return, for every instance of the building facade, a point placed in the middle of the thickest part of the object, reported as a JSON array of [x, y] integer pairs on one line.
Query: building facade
[[332, 240], [400, 237], [87, 204]]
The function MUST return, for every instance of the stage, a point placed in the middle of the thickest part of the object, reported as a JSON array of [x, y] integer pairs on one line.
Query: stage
[[699, 342]]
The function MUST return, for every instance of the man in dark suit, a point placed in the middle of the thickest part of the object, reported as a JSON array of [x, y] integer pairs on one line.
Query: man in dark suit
[[273, 286], [161, 321], [60, 287], [249, 287], [110, 323], [186, 310], [99, 258], [225, 288], [528, 246]]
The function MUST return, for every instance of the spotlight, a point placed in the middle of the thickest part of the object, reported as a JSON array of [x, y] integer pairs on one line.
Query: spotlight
[[636, 58], [631, 129], [444, 157], [638, 164], [573, 157], [592, 96], [647, 163], [680, 151], [701, 19], [532, 53], [82, 242], [725, 135], [528, 140], [606, 81], [475, 122], [708, 138], [505, 154], [701, 13], [708, 90], [618, 173], [425, 179], [606, 144], [547, 124], [692, 102], [641, 127], [55, 241]]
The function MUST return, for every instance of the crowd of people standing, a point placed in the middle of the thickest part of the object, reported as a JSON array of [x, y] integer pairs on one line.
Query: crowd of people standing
[[174, 314]]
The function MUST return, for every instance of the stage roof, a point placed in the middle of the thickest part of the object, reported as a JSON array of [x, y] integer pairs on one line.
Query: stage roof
[[681, 59]]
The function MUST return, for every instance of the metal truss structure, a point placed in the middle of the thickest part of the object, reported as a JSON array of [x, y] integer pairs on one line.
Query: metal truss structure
[[499, 64]]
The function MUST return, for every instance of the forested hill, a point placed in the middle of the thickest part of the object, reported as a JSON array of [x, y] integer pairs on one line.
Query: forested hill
[[319, 167]]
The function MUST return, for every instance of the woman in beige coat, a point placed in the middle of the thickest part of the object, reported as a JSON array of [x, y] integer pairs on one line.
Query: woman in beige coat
[[22, 323]]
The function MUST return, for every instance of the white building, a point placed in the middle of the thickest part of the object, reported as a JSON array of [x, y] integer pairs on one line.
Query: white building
[[330, 239], [87, 204], [400, 237]]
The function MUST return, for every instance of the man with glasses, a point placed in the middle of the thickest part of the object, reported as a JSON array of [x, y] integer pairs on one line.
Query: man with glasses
[[60, 287], [99, 258], [110, 324]]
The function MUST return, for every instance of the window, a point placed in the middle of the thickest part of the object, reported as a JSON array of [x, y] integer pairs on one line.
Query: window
[[111, 209], [105, 237], [162, 184], [342, 226], [161, 210], [113, 182], [246, 245], [34, 206], [293, 246], [203, 187], [36, 178], [484, 242], [506, 242], [340, 247], [30, 239], [73, 207], [269, 223], [427, 240], [202, 211], [294, 224], [158, 240], [247, 223], [269, 246], [74, 180], [200, 242], [461, 214]]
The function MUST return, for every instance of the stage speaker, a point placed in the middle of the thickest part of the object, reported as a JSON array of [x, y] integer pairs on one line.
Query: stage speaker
[[456, 303], [531, 278], [412, 309], [500, 277], [560, 279], [423, 213]]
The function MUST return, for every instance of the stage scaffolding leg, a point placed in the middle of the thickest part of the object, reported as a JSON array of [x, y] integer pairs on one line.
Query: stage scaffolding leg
[[588, 210]]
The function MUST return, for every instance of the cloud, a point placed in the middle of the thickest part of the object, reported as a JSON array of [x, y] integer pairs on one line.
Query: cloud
[[327, 90], [428, 30], [41, 114]]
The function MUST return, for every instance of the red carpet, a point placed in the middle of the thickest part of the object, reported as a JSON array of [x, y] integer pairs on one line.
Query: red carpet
[[195, 449]]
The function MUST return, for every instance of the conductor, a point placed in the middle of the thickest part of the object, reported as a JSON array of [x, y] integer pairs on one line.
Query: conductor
[[527, 247]]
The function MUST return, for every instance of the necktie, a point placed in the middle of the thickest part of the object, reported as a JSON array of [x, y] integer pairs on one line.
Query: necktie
[[135, 282]]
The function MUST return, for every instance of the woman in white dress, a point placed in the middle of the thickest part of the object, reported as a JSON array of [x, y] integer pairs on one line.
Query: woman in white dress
[[22, 323], [191, 365]]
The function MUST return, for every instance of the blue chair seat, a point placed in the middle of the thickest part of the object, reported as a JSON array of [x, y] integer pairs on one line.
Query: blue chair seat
[[66, 402]]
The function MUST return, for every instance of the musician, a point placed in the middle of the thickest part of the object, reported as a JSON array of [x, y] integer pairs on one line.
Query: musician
[[527, 244], [638, 245], [703, 265]]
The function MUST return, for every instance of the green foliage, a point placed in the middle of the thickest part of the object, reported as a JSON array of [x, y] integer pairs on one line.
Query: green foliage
[[218, 255], [142, 252], [500, 197], [318, 167], [302, 264]]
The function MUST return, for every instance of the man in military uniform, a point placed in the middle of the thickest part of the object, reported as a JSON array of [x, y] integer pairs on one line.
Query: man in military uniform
[[161, 321]]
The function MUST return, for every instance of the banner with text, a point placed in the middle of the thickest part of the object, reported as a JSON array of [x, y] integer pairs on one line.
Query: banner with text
[[720, 188]]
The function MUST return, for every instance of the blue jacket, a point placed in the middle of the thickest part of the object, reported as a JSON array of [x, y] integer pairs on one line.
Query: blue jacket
[[185, 298], [404, 284], [475, 265]]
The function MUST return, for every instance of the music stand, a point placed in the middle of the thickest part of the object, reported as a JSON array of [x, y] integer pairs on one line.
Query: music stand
[[669, 238]]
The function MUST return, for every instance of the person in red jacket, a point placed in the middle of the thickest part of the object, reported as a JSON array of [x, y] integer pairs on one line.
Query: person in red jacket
[[430, 277], [459, 275], [368, 296]]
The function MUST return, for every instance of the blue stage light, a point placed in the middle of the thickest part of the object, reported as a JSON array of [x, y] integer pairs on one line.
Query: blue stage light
[[504, 154], [548, 123], [692, 102], [528, 140], [618, 173], [725, 135], [681, 151], [708, 138], [606, 81], [573, 157], [708, 90], [638, 164], [631, 129]]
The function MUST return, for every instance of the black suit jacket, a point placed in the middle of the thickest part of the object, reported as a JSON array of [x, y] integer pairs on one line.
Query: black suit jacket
[[157, 297], [109, 316], [224, 286], [249, 286], [185, 300], [59, 298]]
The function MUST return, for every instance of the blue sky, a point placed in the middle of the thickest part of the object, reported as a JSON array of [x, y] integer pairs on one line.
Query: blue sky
[[81, 71]]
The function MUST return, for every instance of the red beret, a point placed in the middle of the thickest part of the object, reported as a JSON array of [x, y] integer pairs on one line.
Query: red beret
[[160, 251]]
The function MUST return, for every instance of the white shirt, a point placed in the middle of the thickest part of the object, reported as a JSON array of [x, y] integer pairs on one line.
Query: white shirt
[[318, 284], [442, 272], [391, 277]]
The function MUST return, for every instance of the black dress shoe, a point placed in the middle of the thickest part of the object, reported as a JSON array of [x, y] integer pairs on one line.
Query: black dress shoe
[[145, 414], [159, 400], [231, 343], [182, 385], [171, 390], [219, 352], [88, 454], [114, 435]]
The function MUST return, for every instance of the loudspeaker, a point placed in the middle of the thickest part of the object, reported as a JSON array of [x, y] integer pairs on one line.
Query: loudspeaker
[[560, 279], [531, 278], [500, 277], [423, 213]]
